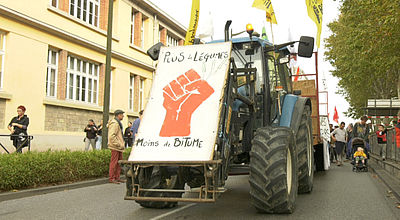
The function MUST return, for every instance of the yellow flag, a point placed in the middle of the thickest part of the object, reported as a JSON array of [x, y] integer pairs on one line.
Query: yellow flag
[[314, 9], [266, 5], [194, 21]]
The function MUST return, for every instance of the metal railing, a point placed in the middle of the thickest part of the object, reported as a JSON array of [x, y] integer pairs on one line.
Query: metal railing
[[24, 141], [392, 151]]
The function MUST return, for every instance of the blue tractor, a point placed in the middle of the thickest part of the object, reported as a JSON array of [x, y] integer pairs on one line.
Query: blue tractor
[[265, 128]]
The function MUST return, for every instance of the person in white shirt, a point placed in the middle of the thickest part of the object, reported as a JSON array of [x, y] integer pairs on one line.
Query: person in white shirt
[[339, 135]]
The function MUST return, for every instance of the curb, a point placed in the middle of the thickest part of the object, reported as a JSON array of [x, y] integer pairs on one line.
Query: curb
[[392, 183], [50, 189]]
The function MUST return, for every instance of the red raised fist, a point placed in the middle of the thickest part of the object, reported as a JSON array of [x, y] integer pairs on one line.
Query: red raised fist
[[182, 97]]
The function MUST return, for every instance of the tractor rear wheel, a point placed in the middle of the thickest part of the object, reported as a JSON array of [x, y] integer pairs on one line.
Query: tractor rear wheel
[[305, 154], [273, 170], [159, 178]]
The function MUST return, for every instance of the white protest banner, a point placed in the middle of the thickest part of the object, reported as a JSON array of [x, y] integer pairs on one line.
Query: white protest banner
[[180, 121], [324, 128]]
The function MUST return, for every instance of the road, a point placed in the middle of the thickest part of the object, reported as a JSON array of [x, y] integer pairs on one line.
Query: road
[[338, 194]]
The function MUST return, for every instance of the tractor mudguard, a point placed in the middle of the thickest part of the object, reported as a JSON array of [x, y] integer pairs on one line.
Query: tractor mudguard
[[289, 102], [298, 111], [292, 110]]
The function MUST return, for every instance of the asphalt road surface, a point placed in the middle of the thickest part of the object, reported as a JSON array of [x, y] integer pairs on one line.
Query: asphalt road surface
[[338, 194]]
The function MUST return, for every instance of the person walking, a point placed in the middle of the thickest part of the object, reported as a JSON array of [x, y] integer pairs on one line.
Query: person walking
[[91, 133], [18, 127], [349, 131], [333, 154], [362, 130], [381, 137], [99, 137], [135, 126], [128, 136], [116, 145], [339, 136]]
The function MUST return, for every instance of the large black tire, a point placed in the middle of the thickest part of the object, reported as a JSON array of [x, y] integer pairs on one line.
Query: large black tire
[[159, 178], [273, 170], [305, 152]]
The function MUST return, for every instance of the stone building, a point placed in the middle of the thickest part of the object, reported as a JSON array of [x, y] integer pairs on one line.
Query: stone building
[[52, 60]]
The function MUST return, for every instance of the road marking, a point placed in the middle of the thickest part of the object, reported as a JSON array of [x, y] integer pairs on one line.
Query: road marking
[[173, 211]]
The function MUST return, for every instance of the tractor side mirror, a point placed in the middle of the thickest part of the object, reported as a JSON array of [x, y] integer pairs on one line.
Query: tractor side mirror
[[306, 46], [154, 51]]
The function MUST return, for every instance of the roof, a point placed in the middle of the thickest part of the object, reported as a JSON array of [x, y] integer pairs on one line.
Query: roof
[[243, 40], [247, 39]]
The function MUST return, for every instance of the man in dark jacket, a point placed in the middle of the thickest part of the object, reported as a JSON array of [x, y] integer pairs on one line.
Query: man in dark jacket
[[135, 126], [18, 128], [361, 130], [91, 133], [128, 136]]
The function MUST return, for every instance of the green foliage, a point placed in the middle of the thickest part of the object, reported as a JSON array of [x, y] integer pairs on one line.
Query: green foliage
[[364, 49], [34, 169]]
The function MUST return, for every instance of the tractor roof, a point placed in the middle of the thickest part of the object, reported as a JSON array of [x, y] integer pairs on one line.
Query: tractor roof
[[247, 39], [243, 40]]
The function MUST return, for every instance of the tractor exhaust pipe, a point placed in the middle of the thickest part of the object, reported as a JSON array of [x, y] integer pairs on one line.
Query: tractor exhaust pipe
[[227, 25]]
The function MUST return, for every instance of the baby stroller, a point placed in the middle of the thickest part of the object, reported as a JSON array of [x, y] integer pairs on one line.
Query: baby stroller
[[360, 167]]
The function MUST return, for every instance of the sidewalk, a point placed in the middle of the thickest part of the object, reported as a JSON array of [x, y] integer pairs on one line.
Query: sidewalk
[[388, 172]]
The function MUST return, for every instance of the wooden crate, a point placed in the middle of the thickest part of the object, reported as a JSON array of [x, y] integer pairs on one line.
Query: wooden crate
[[315, 125], [314, 106], [307, 87]]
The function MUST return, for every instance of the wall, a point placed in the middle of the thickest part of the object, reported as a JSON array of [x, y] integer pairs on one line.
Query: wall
[[56, 123]]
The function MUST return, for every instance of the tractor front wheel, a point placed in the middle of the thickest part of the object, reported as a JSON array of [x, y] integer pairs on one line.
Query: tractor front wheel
[[273, 170]]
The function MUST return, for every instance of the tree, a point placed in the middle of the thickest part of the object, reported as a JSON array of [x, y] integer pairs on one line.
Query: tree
[[364, 50]]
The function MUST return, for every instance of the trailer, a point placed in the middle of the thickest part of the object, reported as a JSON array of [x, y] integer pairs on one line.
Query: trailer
[[309, 87]]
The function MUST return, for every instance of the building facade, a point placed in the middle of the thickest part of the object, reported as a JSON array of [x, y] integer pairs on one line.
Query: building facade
[[52, 61]]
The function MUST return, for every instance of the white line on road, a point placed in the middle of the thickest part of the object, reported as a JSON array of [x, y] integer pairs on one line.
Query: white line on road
[[173, 211]]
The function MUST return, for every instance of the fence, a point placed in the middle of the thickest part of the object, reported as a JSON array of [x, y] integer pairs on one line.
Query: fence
[[23, 141], [392, 152]]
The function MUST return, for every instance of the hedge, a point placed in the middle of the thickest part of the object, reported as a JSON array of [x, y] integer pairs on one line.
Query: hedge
[[34, 169]]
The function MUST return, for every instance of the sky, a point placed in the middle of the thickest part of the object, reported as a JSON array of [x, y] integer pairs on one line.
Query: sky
[[293, 22]]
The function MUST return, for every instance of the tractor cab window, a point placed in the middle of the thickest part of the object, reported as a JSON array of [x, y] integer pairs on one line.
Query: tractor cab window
[[274, 83], [285, 77], [274, 79], [248, 55], [279, 76]]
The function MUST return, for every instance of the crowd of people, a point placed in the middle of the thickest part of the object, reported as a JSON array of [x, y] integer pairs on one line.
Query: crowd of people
[[94, 133], [118, 140], [341, 138]]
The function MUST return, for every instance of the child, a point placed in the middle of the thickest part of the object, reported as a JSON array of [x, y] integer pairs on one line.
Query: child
[[360, 155], [381, 136]]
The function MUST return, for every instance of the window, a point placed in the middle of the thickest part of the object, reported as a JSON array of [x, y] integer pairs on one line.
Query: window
[[141, 93], [82, 80], [171, 41], [86, 10], [133, 26], [54, 3], [51, 76], [131, 92], [142, 33], [2, 55]]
